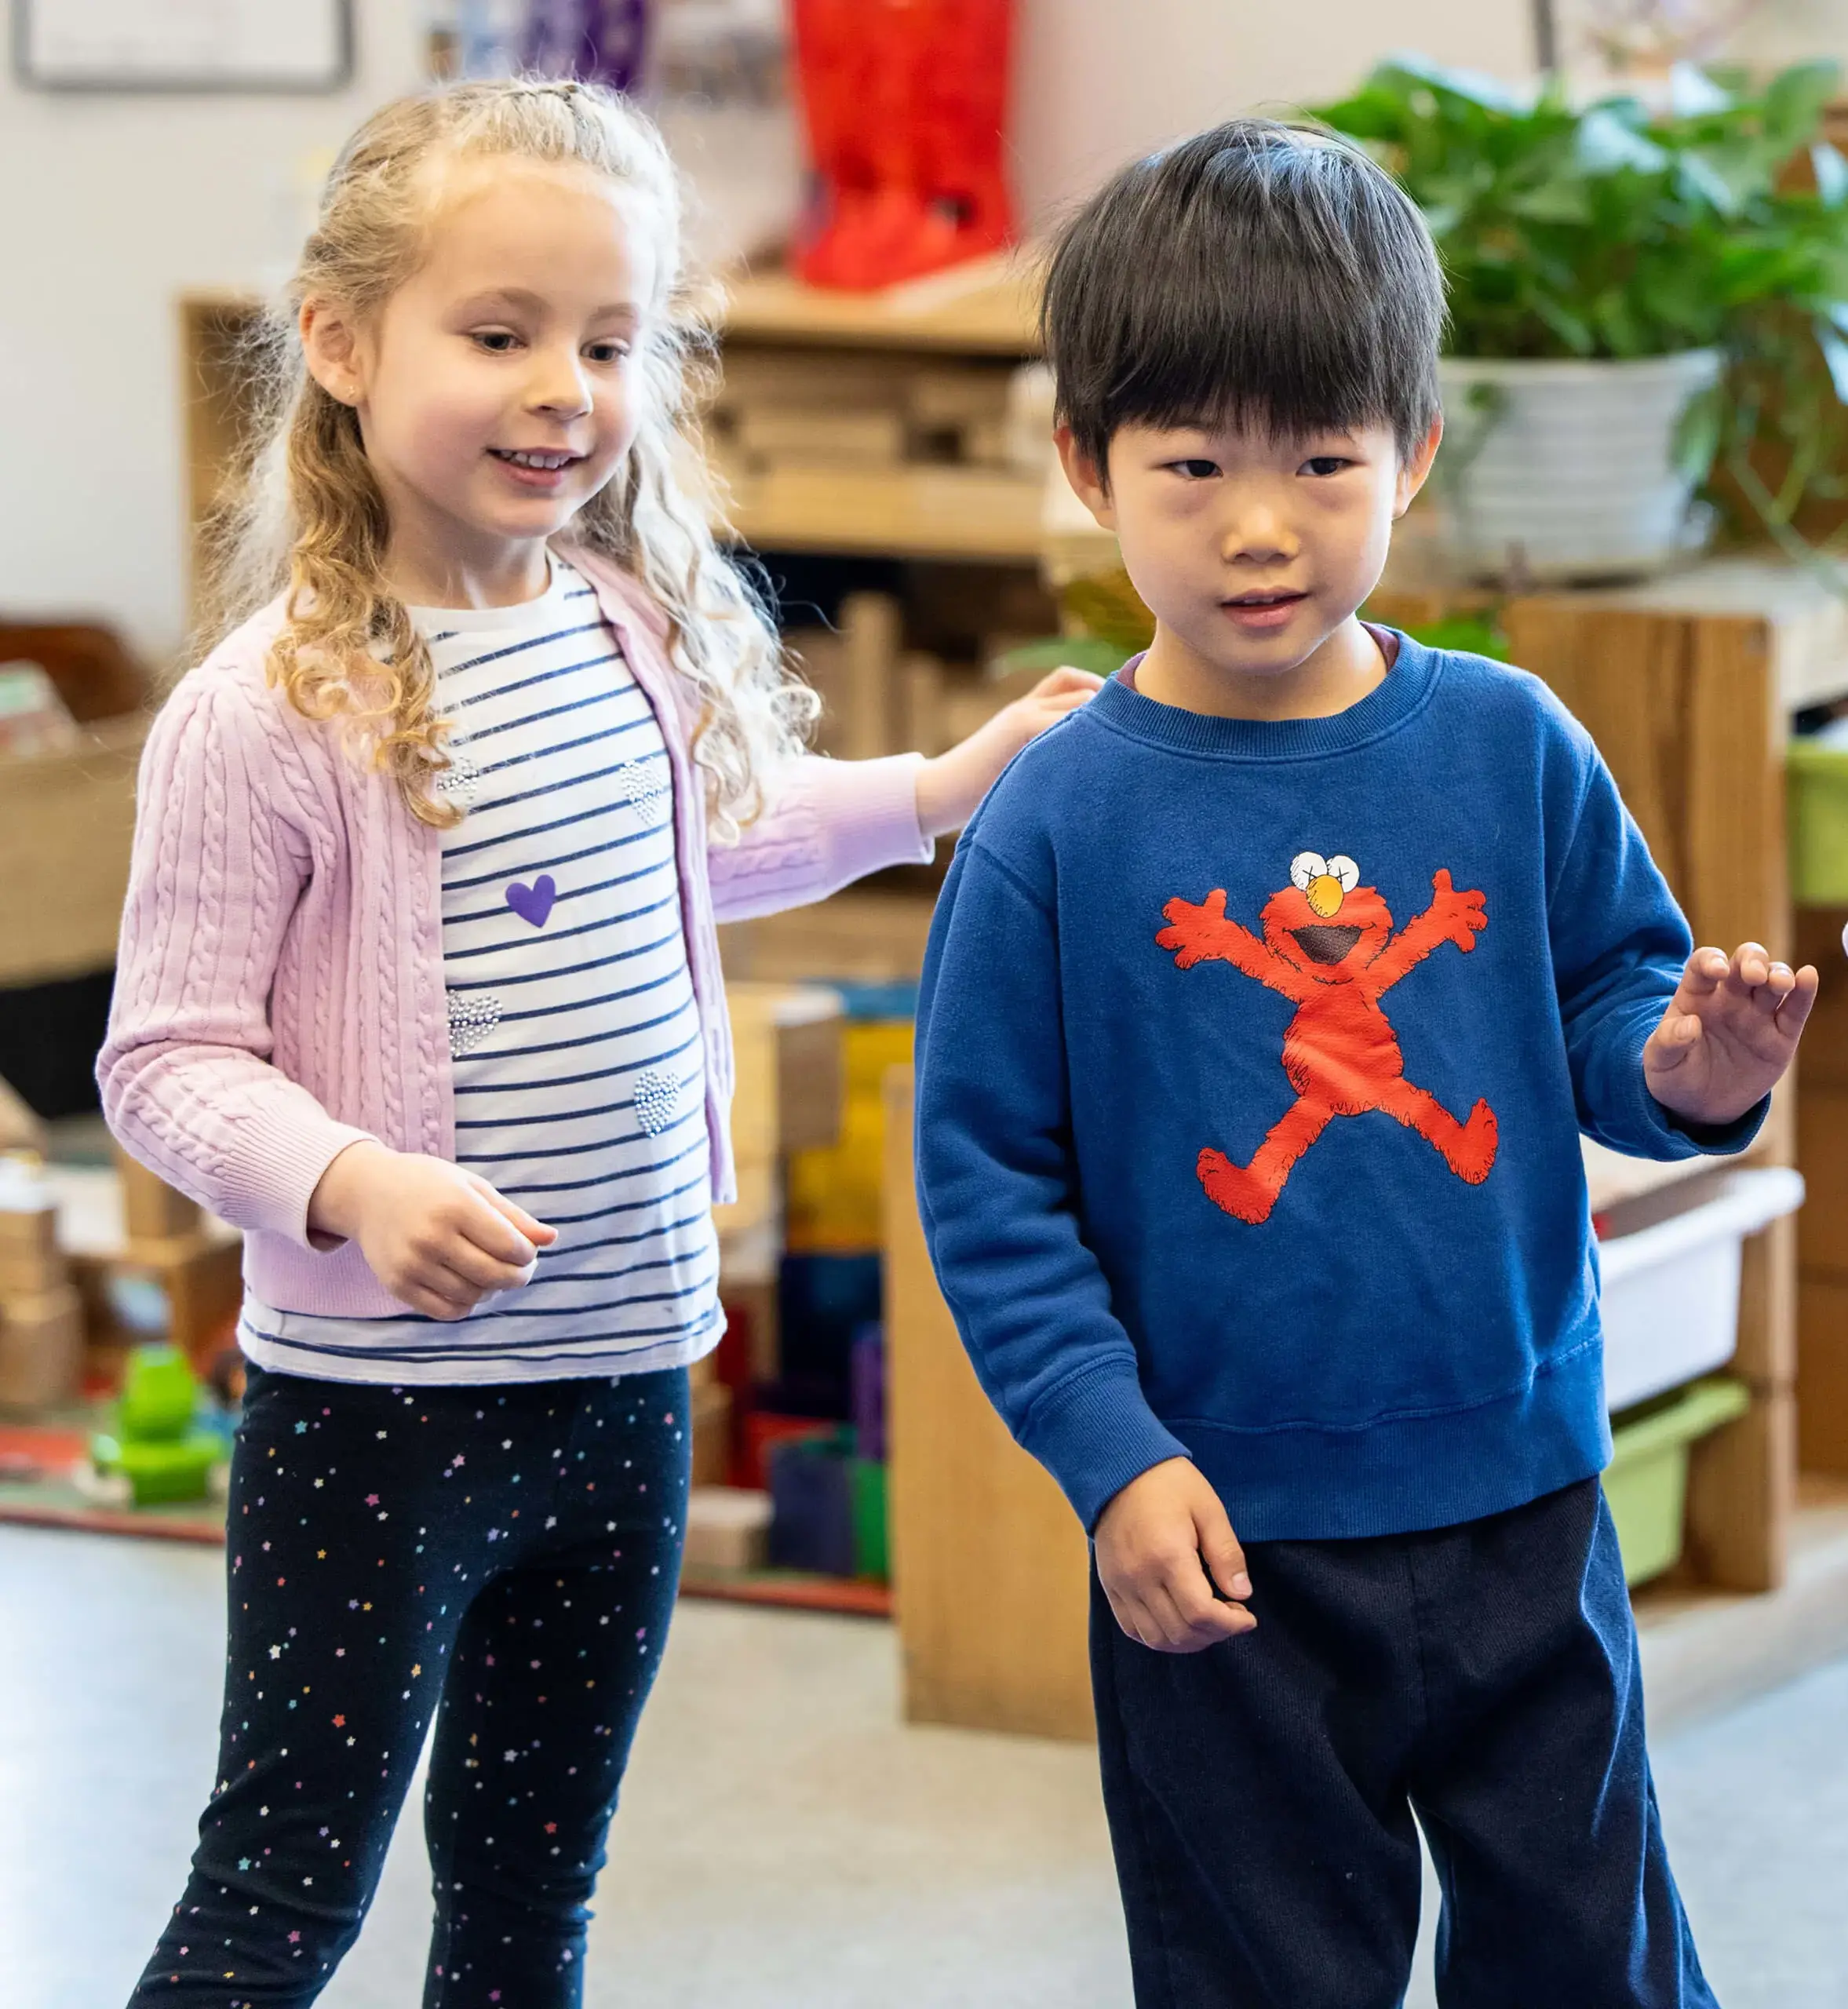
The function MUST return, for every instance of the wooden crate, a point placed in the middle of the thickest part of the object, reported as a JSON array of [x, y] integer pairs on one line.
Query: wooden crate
[[787, 1039], [1822, 1227], [990, 1569], [67, 826], [856, 937]]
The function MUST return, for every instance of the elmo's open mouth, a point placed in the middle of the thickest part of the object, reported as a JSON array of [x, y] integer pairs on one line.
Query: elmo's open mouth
[[1326, 945]]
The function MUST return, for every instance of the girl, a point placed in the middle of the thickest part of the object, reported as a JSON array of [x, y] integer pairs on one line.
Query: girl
[[419, 986]]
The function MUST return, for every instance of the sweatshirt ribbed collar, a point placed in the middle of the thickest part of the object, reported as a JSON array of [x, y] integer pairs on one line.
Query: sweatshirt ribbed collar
[[1407, 688]]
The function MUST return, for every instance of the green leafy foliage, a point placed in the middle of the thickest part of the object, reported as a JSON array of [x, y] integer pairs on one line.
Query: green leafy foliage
[[1620, 229]]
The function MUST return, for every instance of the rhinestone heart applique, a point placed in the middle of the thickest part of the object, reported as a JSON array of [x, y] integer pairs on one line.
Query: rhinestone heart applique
[[472, 1017], [460, 781], [644, 786], [657, 1095]]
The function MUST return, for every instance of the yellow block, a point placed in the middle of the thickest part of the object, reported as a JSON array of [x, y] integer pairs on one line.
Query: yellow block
[[834, 1193]]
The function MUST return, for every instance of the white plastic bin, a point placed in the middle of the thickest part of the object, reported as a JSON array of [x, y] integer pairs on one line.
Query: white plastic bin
[[1671, 1291]]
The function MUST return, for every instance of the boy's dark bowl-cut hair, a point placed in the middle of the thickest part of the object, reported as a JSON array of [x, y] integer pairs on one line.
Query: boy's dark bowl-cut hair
[[1258, 275]]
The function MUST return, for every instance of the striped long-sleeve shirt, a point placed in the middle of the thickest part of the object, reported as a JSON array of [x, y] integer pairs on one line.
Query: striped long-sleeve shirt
[[574, 1029]]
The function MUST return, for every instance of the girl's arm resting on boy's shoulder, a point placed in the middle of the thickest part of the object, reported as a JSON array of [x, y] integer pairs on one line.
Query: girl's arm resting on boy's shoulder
[[996, 1188], [1619, 944], [829, 822], [826, 824], [185, 1072]]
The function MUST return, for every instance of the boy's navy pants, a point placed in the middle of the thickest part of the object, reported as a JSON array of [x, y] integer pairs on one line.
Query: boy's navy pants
[[1261, 1794]]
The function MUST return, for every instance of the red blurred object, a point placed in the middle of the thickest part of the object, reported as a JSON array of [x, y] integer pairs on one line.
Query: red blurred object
[[763, 1428], [904, 102]]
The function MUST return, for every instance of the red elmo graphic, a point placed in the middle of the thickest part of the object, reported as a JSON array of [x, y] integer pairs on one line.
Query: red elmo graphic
[[1328, 947]]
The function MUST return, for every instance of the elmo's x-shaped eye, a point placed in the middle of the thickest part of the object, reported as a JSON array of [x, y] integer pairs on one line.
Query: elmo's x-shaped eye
[[1344, 872], [1307, 865]]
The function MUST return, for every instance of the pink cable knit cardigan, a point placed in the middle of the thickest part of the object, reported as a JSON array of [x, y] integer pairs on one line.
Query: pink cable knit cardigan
[[279, 990]]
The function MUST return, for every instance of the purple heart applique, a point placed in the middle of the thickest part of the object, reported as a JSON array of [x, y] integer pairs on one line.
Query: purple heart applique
[[533, 902]]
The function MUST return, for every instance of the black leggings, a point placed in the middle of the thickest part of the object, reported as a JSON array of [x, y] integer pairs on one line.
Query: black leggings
[[504, 1559]]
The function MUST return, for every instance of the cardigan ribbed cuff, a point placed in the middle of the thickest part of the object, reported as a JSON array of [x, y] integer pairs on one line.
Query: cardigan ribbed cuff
[[872, 819], [276, 1160]]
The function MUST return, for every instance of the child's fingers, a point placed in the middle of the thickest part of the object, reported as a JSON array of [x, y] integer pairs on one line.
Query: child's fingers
[[534, 1234], [1220, 1553], [476, 1271], [1675, 1035], [1191, 1615], [1129, 1613], [438, 1292], [1793, 1010], [1079, 683], [1750, 967], [1780, 981], [1702, 974]]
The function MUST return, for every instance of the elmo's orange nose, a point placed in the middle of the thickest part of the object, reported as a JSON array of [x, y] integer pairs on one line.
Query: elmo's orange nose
[[1324, 895]]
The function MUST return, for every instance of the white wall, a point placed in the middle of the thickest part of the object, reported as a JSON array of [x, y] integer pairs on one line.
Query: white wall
[[1100, 81], [111, 206]]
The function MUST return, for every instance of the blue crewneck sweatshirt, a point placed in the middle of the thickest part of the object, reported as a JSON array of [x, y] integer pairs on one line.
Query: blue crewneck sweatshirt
[[1253, 1058]]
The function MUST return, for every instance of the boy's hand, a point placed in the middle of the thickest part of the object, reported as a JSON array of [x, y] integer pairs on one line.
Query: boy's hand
[[1156, 1541], [1728, 1033], [950, 788], [438, 1239]]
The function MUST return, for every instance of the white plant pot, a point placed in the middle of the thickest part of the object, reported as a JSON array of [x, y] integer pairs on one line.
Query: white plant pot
[[1561, 471]]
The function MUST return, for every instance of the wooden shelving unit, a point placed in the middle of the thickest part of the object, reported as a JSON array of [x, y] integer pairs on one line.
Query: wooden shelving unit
[[982, 309]]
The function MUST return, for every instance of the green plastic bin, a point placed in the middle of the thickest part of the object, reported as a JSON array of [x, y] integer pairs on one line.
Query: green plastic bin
[[871, 1554], [1646, 1482], [1817, 777]]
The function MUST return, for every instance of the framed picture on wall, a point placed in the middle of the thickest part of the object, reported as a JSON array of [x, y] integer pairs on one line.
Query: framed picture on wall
[[184, 44]]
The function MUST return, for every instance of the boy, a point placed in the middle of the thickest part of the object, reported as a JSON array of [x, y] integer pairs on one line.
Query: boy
[[1266, 1001]]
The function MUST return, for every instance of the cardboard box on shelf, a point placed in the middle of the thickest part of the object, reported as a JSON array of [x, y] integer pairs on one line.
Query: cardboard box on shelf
[[20, 1130], [728, 1528], [198, 1278], [856, 937], [41, 1350], [152, 1210], [712, 1433], [30, 1269], [758, 1202], [28, 1230], [786, 1041], [921, 703], [854, 669], [66, 821], [751, 1313], [827, 380], [806, 436]]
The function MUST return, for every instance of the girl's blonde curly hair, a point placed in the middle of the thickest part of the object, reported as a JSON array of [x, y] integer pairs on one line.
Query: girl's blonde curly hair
[[308, 519]]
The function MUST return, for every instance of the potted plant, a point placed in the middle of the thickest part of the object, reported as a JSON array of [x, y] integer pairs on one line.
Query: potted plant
[[1644, 297]]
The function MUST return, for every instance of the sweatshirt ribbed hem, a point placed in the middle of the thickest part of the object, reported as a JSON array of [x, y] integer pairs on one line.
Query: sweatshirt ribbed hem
[[1401, 1475]]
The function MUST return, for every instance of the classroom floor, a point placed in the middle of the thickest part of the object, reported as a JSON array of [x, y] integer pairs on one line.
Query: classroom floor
[[784, 1841]]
